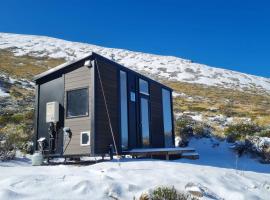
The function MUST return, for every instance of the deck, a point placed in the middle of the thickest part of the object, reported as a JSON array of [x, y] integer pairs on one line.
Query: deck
[[186, 152]]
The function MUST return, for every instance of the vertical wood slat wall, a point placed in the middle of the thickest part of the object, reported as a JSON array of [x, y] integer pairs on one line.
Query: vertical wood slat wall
[[156, 116], [78, 78], [109, 77]]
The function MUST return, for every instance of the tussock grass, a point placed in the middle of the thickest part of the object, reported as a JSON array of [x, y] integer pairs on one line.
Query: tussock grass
[[25, 66], [231, 103]]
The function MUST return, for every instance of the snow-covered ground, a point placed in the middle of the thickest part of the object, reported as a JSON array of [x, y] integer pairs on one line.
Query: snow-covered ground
[[168, 67], [3, 93], [128, 178]]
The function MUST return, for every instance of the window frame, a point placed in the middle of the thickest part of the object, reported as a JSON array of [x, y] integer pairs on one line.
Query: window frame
[[78, 116], [85, 132]]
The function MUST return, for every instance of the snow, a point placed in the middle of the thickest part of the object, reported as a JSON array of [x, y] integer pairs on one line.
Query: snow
[[23, 83], [166, 67], [218, 154], [214, 174], [218, 173], [198, 118], [3, 94], [160, 150]]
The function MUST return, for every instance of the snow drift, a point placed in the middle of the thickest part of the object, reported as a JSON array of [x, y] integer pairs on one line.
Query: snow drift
[[215, 174]]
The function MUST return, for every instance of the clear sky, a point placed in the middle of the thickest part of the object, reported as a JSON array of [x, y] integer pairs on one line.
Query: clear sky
[[232, 34]]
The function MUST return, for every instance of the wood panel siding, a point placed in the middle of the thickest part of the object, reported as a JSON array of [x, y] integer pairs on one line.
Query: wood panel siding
[[157, 130], [109, 78], [76, 79]]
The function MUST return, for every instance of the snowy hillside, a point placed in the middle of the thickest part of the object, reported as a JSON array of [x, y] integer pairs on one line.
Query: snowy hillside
[[164, 67], [215, 175]]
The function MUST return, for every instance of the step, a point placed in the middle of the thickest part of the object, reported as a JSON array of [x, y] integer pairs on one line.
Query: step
[[190, 155]]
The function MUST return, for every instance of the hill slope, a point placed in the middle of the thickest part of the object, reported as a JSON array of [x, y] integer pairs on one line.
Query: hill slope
[[163, 67], [212, 95]]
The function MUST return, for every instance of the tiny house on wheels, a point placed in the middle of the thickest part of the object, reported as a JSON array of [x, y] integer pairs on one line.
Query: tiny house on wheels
[[94, 106]]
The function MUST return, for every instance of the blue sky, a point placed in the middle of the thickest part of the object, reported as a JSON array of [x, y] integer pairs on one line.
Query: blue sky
[[232, 34]]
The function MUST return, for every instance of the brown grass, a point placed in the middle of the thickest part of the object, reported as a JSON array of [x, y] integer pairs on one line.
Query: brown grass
[[25, 66], [227, 101]]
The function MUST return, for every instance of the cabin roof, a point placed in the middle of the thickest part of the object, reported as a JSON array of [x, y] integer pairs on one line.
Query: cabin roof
[[70, 63], [59, 67]]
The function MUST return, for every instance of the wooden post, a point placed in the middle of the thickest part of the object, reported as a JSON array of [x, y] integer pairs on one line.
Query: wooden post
[[167, 156]]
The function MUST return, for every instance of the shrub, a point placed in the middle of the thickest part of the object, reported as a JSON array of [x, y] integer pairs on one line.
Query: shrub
[[259, 146], [16, 118], [11, 118], [14, 137], [184, 121], [4, 119], [15, 93], [188, 127], [227, 110], [201, 130], [166, 193], [29, 115], [266, 154], [239, 131], [264, 133], [185, 130]]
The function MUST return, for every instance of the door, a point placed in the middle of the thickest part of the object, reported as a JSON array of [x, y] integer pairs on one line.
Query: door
[[138, 112]]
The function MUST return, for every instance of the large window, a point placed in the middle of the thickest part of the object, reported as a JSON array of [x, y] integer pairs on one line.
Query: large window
[[167, 117], [77, 103], [124, 109]]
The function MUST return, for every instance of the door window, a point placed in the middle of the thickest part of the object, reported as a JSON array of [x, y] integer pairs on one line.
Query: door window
[[145, 134]]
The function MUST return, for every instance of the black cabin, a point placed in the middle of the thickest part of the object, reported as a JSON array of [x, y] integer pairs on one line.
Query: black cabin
[[86, 107]]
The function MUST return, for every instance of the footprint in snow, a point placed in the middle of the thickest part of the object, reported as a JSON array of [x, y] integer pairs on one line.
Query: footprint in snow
[[83, 187]]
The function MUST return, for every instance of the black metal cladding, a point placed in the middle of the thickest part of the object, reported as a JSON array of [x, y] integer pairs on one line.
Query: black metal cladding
[[110, 80], [52, 90], [157, 139]]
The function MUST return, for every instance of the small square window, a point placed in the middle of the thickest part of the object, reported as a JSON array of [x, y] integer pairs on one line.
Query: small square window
[[132, 96], [85, 138], [143, 87]]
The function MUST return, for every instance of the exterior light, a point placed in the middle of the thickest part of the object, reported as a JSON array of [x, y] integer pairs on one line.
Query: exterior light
[[87, 63]]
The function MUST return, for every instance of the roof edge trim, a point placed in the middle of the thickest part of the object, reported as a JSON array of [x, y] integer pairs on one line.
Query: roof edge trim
[[59, 67]]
